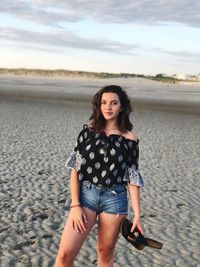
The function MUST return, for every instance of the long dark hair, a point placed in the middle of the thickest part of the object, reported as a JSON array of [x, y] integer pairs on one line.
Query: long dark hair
[[97, 121]]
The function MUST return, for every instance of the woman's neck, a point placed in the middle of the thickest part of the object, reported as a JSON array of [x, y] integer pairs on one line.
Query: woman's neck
[[111, 126]]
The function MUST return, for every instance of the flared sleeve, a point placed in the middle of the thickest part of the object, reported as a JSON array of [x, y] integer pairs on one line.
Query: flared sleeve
[[75, 159], [133, 175]]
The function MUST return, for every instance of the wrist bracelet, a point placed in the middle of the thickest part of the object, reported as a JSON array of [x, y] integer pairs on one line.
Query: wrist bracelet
[[74, 206]]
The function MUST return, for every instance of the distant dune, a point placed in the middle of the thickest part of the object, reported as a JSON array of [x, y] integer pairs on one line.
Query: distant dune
[[65, 73], [82, 74], [89, 75]]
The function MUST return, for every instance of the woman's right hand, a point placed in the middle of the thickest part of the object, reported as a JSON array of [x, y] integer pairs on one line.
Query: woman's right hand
[[78, 219]]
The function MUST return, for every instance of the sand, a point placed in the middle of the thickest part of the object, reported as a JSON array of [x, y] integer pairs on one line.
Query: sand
[[36, 139], [142, 91]]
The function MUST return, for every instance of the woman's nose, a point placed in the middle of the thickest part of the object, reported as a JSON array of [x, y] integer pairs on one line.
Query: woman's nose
[[108, 106]]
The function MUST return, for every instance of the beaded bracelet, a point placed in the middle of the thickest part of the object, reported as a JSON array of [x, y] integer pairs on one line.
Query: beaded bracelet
[[74, 206]]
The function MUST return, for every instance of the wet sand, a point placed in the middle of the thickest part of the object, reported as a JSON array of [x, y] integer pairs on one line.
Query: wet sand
[[36, 139]]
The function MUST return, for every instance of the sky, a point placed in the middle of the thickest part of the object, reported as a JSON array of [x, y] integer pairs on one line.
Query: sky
[[142, 37]]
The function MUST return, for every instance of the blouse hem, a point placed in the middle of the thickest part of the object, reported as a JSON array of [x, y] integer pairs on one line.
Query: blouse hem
[[134, 177]]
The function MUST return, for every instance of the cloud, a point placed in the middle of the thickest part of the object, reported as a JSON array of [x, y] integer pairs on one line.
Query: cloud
[[66, 39], [57, 40], [194, 55], [37, 11], [107, 11]]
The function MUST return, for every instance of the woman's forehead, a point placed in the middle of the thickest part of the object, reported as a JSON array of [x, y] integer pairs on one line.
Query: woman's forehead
[[110, 96]]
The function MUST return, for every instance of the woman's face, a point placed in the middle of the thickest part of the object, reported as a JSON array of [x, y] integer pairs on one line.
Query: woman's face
[[110, 106]]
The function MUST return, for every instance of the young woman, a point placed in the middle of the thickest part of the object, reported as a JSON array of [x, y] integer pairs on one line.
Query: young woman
[[104, 165]]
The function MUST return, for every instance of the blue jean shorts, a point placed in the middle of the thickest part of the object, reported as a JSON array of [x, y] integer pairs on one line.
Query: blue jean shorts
[[101, 199]]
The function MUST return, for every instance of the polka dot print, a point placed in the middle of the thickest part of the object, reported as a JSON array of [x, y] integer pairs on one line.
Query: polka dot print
[[111, 166]]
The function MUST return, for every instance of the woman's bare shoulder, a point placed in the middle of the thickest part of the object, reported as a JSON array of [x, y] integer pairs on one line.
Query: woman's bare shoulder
[[130, 135]]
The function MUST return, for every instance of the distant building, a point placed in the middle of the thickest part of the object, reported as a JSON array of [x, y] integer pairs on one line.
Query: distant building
[[191, 77], [198, 77], [188, 77], [180, 76]]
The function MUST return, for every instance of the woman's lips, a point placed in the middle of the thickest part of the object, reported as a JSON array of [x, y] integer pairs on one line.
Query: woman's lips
[[108, 113]]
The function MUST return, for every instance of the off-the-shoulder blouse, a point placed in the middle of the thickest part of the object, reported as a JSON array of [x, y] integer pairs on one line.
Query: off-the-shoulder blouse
[[105, 160]]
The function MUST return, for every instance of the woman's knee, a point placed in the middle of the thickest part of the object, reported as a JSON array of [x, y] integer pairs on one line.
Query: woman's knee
[[105, 252], [66, 256]]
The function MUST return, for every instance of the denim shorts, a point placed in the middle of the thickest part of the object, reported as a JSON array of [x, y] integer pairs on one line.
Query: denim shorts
[[101, 199]]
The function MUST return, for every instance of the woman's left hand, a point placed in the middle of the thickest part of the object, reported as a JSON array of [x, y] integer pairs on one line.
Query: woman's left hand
[[137, 223]]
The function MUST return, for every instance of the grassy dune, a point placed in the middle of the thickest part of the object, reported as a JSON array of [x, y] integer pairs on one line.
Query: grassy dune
[[84, 74], [62, 72]]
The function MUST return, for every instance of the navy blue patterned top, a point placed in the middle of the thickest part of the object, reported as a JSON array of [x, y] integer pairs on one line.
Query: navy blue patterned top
[[105, 160]]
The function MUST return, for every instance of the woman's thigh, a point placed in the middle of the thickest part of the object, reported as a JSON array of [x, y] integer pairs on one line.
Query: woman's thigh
[[71, 240], [108, 230]]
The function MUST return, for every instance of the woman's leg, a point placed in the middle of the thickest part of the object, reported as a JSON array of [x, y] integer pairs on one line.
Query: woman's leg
[[108, 231], [71, 241]]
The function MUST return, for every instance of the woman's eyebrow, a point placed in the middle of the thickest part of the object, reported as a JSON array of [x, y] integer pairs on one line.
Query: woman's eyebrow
[[104, 100]]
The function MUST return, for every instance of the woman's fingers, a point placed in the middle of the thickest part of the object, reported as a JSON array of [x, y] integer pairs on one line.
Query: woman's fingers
[[82, 226], [82, 223], [76, 226], [137, 223], [79, 222], [133, 228], [79, 226]]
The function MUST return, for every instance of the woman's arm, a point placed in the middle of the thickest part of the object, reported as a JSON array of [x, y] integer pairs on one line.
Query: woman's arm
[[75, 188], [134, 190], [77, 215], [134, 193]]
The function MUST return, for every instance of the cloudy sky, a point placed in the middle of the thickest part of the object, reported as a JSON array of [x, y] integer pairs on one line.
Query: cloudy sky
[[144, 36]]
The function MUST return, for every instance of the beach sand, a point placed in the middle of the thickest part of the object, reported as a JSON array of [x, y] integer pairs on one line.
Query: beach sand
[[156, 95], [36, 139]]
